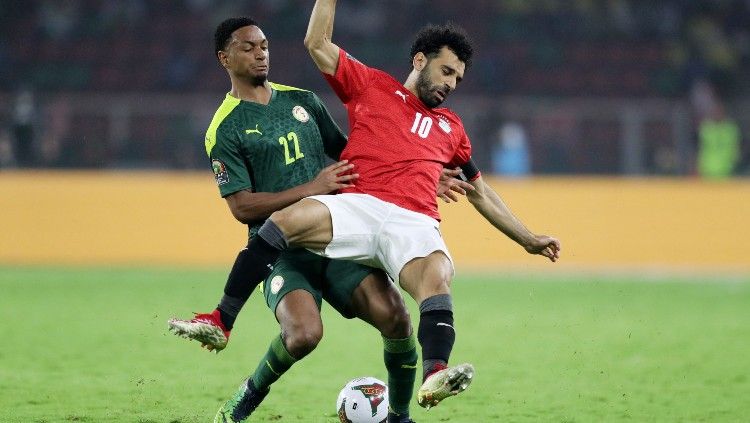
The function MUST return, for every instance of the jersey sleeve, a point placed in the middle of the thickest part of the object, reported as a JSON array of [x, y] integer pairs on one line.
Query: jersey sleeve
[[463, 152], [352, 77], [227, 163], [333, 138]]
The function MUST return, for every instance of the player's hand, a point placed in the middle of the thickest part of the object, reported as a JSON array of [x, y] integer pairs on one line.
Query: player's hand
[[546, 246], [333, 177], [450, 187]]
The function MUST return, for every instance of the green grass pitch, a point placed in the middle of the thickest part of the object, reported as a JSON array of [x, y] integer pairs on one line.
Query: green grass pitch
[[90, 345]]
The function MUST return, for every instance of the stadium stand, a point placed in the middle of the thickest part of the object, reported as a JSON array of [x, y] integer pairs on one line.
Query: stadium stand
[[623, 49]]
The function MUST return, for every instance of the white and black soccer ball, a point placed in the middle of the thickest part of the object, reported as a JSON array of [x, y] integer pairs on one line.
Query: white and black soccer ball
[[363, 400]]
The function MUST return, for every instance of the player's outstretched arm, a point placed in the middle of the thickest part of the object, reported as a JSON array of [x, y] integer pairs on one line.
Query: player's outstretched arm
[[489, 204], [248, 207], [324, 53]]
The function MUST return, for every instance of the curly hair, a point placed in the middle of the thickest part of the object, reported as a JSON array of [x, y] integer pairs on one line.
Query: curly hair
[[432, 38], [225, 29]]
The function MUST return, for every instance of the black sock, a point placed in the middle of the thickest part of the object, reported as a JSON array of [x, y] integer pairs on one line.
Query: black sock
[[436, 333], [251, 267], [229, 306]]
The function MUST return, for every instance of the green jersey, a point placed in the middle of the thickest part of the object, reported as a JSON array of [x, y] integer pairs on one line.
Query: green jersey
[[273, 147]]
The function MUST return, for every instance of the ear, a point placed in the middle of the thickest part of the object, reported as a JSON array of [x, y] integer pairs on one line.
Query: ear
[[223, 58], [419, 61]]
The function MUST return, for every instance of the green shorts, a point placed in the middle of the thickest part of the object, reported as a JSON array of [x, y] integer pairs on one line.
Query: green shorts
[[301, 269]]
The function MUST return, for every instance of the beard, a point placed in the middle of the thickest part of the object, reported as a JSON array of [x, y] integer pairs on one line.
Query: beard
[[426, 90], [258, 80]]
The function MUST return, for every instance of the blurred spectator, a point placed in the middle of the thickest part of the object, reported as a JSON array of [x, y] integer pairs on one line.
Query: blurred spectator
[[56, 127], [58, 18], [6, 149], [181, 67], [719, 145], [703, 99], [5, 63], [115, 14], [554, 141], [24, 114], [510, 155]]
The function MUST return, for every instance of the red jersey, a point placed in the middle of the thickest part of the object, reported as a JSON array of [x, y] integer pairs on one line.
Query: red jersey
[[398, 145]]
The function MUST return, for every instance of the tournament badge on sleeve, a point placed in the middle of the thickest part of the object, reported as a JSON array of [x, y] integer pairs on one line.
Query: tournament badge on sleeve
[[220, 171]]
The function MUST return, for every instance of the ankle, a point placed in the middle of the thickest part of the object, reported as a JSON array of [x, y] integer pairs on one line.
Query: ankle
[[433, 367], [225, 319], [399, 418]]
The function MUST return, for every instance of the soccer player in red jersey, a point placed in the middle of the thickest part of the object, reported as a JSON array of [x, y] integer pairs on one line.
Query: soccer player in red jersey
[[399, 142]]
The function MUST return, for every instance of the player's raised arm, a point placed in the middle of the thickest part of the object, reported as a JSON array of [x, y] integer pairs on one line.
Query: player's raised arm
[[325, 54], [489, 204]]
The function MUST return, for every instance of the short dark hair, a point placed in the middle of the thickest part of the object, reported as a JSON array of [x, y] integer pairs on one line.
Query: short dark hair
[[432, 38], [225, 29]]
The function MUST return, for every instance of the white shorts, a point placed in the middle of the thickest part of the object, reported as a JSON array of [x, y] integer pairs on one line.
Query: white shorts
[[376, 233]]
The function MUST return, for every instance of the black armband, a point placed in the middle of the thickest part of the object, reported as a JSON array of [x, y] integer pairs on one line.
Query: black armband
[[469, 171]]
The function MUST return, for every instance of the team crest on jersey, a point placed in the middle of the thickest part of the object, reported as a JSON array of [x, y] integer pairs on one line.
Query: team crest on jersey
[[276, 283], [444, 124], [220, 172], [300, 114]]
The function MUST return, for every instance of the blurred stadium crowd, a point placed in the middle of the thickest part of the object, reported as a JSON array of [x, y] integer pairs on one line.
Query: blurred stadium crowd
[[568, 86]]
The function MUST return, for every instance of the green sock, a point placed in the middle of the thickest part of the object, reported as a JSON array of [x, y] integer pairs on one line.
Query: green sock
[[274, 364], [400, 356]]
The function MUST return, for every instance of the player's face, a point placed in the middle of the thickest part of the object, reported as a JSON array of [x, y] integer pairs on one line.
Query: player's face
[[247, 54], [439, 77]]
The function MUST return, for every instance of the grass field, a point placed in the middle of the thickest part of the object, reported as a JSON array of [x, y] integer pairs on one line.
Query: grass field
[[90, 345]]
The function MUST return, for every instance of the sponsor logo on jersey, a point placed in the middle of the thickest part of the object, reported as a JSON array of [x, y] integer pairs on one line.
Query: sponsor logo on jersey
[[220, 172], [276, 283], [444, 124], [300, 114], [402, 95]]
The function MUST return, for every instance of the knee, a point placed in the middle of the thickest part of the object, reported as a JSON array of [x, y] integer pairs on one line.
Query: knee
[[401, 324], [440, 276], [398, 325], [282, 218], [431, 287], [439, 283], [302, 341], [300, 221], [426, 277]]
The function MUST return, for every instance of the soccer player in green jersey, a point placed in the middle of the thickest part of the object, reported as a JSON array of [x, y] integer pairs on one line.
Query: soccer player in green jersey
[[267, 144]]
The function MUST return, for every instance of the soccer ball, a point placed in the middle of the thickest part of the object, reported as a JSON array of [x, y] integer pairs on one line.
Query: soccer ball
[[363, 400]]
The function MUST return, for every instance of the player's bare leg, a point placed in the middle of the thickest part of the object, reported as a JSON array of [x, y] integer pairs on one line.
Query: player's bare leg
[[425, 277], [305, 224], [301, 326], [427, 280]]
